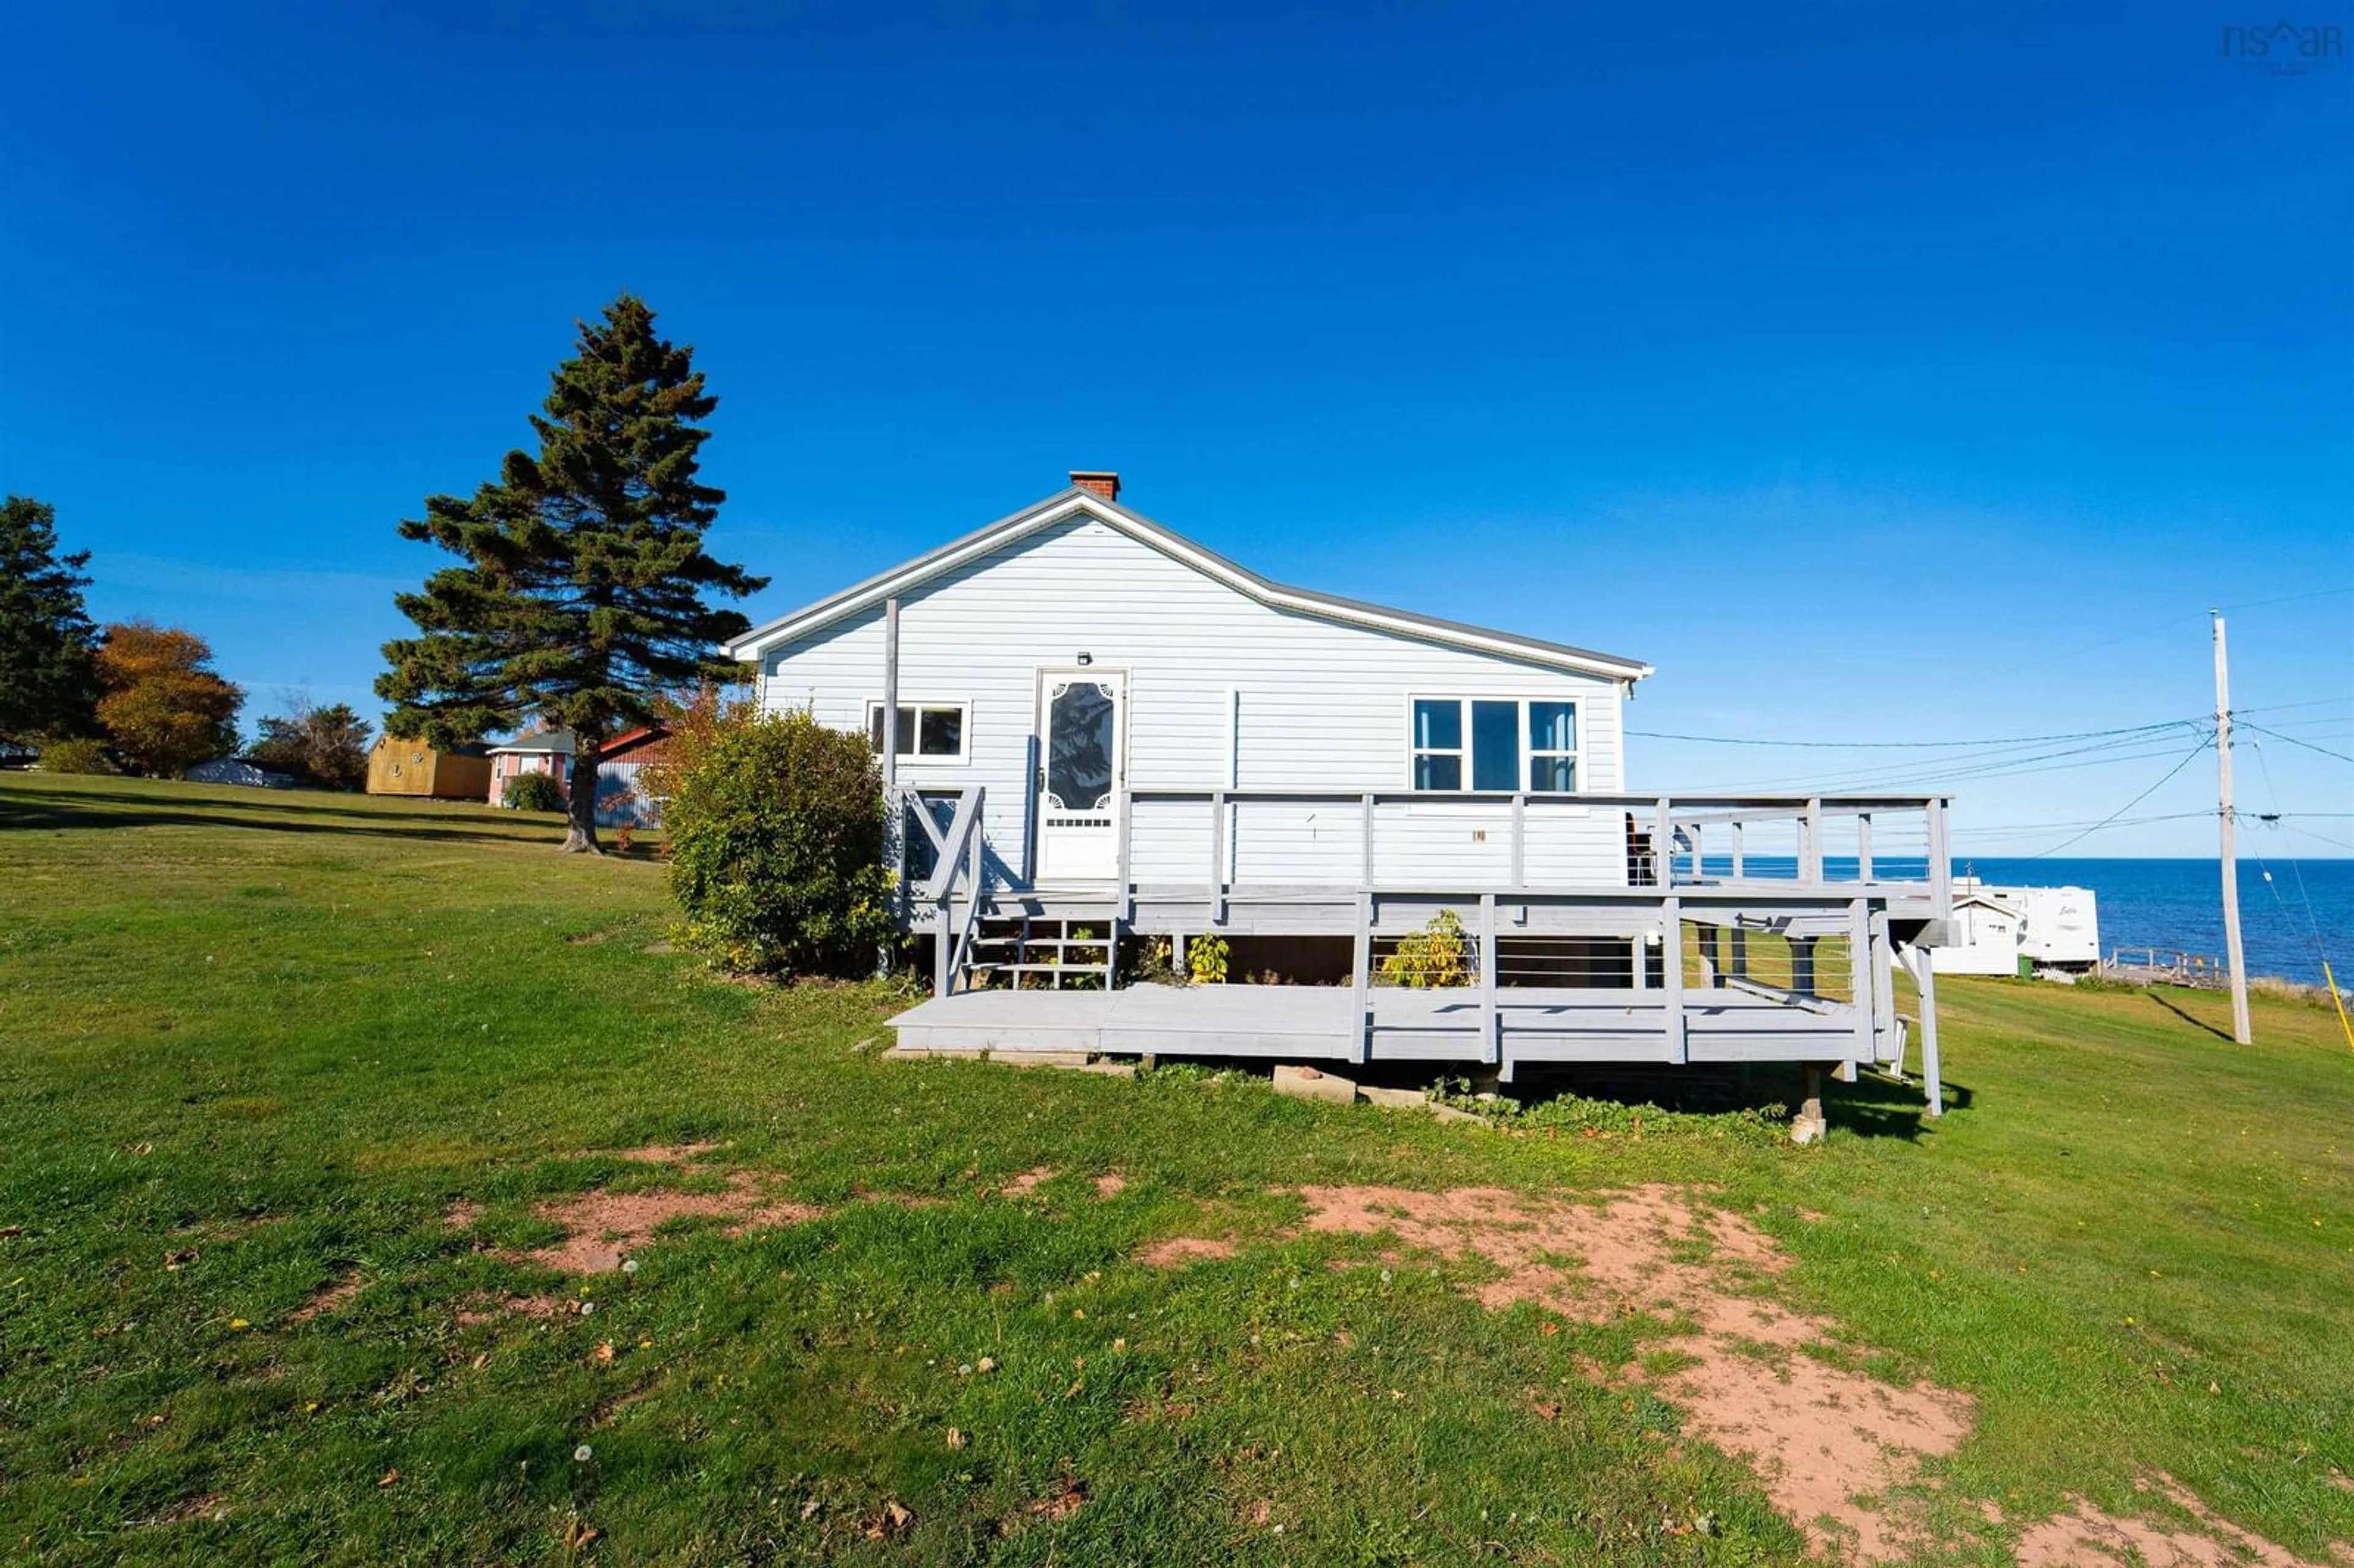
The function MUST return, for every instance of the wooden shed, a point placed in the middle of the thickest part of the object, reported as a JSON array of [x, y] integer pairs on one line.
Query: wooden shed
[[397, 767]]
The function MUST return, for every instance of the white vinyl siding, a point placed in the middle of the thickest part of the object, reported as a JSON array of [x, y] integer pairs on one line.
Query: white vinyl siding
[[1223, 691]]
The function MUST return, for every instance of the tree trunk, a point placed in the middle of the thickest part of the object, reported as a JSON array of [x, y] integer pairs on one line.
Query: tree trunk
[[581, 801]]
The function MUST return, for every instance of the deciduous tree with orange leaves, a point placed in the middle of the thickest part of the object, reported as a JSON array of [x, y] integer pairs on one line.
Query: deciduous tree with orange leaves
[[164, 709]]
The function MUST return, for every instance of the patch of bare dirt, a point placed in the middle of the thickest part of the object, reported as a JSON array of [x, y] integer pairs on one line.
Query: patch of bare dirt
[[489, 1310], [1825, 1440], [1110, 1185], [1021, 1186], [664, 1153], [1179, 1251], [1822, 1438], [2086, 1534], [602, 1228], [327, 1300], [461, 1216], [207, 1505]]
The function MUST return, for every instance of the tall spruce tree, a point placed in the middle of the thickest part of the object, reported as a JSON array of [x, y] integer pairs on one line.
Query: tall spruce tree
[[48, 665], [580, 600]]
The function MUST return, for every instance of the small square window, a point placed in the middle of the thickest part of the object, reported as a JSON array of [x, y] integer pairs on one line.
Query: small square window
[[926, 732]]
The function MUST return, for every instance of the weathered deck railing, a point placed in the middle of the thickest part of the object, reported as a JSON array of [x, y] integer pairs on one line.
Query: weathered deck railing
[[1893, 846], [956, 862]]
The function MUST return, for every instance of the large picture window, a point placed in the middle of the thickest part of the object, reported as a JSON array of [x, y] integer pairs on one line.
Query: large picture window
[[927, 732], [1505, 744]]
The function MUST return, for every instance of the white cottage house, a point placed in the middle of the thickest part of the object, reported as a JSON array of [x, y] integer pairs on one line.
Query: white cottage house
[[1106, 730], [1080, 646]]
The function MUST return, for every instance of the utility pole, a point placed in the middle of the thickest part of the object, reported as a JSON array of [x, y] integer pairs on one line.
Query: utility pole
[[2223, 817]]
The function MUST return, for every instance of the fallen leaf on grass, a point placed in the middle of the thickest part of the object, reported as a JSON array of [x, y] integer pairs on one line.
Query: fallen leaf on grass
[[889, 1523], [603, 1354], [1061, 1504], [389, 1476], [956, 1438]]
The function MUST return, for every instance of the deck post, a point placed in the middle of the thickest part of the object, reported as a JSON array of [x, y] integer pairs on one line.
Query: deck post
[[1736, 850], [1932, 1069], [1217, 857], [1883, 979], [1810, 1125], [1663, 846], [1671, 976], [1490, 1037], [943, 941], [1859, 978], [1360, 1024], [1740, 943], [1941, 860], [1810, 851], [1709, 939], [894, 846], [1864, 846], [1520, 842], [1124, 906], [1802, 965]]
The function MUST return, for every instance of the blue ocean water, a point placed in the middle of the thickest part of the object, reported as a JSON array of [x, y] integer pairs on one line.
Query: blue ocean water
[[2176, 906]]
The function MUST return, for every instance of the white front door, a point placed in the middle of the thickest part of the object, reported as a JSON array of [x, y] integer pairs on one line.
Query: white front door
[[1082, 768]]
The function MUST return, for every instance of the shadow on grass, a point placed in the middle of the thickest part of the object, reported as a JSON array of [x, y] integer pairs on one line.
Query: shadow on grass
[[2222, 1035], [1872, 1106], [37, 810]]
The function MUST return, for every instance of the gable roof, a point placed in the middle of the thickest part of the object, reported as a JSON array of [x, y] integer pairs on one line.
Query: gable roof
[[535, 741], [1077, 502]]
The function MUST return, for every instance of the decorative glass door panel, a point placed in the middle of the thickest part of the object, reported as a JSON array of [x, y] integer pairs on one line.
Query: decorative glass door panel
[[1082, 746]]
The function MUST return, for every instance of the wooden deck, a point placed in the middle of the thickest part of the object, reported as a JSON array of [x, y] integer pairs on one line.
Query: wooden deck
[[1306, 1024], [1690, 874]]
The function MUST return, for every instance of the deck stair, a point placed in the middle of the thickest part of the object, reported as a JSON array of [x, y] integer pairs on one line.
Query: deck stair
[[1028, 952]]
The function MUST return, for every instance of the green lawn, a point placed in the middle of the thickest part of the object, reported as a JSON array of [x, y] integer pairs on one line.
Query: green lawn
[[253, 1045]]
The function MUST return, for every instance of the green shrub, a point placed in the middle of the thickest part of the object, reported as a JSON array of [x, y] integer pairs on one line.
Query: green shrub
[[1206, 960], [776, 835], [533, 793], [1432, 958], [75, 757]]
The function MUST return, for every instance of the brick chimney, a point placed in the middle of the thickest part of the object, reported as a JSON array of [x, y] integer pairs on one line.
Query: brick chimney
[[1102, 481]]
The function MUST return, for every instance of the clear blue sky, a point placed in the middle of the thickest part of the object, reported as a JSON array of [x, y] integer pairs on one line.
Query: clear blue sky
[[1878, 374]]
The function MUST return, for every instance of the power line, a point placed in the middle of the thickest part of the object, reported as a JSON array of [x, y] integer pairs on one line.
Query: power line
[[2323, 838], [2306, 744], [2129, 805], [2086, 822], [1986, 765], [2307, 702], [1911, 745], [2288, 599], [2312, 925]]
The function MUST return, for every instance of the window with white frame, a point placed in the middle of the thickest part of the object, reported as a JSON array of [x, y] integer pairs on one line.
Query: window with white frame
[[927, 732], [1508, 745]]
